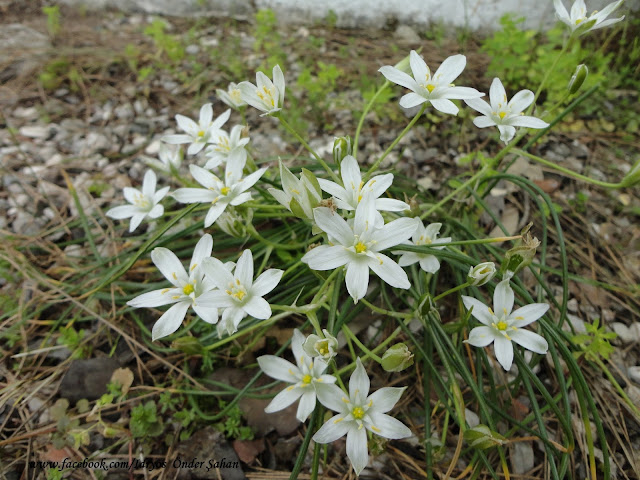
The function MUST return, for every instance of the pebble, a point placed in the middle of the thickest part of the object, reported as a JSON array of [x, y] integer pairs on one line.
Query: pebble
[[634, 373], [628, 334], [35, 131]]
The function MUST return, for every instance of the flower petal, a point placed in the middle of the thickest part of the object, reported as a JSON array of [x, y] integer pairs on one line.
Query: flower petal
[[483, 122], [389, 271], [257, 307], [350, 172], [391, 205], [203, 250], [327, 257], [283, 399], [357, 279], [155, 298], [507, 132], [385, 398], [122, 212], [215, 271], [398, 77], [480, 311], [520, 101], [497, 94], [333, 429], [445, 106], [359, 383], [394, 233], [334, 225], [523, 316], [244, 268], [388, 427], [214, 213], [430, 264], [206, 313], [504, 351], [278, 368], [529, 340], [461, 93], [306, 405], [357, 449], [170, 321], [418, 67], [481, 336], [194, 195], [450, 69], [527, 121], [503, 298], [331, 396], [411, 100], [169, 266], [266, 282]]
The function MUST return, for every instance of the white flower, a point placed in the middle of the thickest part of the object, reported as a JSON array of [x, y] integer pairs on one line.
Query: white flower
[[299, 196], [578, 20], [266, 96], [232, 96], [190, 289], [225, 145], [218, 193], [506, 115], [325, 347], [424, 236], [239, 294], [198, 134], [437, 89], [502, 326], [354, 190], [306, 378], [170, 159], [481, 273], [359, 246], [144, 203], [358, 413]]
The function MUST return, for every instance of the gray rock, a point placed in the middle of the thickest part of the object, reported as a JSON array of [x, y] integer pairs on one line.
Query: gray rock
[[87, 378], [406, 35]]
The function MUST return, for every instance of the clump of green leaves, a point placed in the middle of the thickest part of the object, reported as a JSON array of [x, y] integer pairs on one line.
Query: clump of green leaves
[[166, 44], [594, 344], [145, 422], [318, 83], [68, 432], [232, 426], [53, 20], [72, 339]]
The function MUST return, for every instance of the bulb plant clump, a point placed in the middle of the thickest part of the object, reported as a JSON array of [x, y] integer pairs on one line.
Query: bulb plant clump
[[314, 242]]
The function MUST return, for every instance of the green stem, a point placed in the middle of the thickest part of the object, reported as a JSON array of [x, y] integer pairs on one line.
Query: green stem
[[548, 73], [377, 163], [382, 311], [246, 330], [366, 110], [452, 290], [347, 331], [315, 419], [567, 171], [279, 246], [290, 129]]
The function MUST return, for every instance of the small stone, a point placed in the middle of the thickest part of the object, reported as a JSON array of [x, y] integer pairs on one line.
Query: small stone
[[35, 131], [124, 112], [87, 378], [192, 49], [522, 457], [626, 334], [407, 35], [634, 373]]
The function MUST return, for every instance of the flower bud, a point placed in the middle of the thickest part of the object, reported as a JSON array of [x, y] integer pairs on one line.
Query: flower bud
[[341, 148], [188, 345], [316, 346], [397, 358], [233, 224], [578, 78], [481, 437], [632, 177], [481, 273]]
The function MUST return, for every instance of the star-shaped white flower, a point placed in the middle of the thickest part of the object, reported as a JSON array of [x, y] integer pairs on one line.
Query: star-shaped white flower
[[266, 96], [190, 289], [502, 326], [506, 115], [232, 97], [424, 236], [358, 246], [225, 145], [358, 413], [324, 347], [198, 134], [144, 203], [239, 295], [351, 194], [306, 378], [578, 20], [437, 89], [218, 193], [170, 159]]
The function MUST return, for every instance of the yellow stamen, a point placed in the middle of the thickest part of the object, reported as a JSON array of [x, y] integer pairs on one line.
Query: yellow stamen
[[502, 115], [360, 247], [307, 379], [225, 190], [357, 413], [502, 325], [201, 133], [188, 289], [375, 429], [431, 87]]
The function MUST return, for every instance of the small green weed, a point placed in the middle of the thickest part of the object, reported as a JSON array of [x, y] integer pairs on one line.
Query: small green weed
[[53, 20]]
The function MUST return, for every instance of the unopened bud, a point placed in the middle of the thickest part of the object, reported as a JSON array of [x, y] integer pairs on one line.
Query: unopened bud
[[481, 273], [233, 224], [341, 148], [188, 345], [632, 177], [578, 78], [397, 358], [481, 437]]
